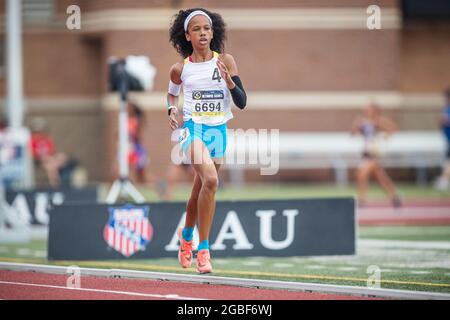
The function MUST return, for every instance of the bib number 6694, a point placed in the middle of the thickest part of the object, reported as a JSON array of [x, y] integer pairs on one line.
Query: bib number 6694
[[207, 106]]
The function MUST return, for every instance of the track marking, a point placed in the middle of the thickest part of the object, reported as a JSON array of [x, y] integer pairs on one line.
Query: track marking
[[127, 293], [39, 254], [23, 252], [347, 269], [420, 272], [251, 263], [283, 265], [315, 267], [150, 267]]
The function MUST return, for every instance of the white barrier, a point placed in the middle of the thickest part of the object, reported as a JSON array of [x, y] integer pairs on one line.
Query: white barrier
[[12, 229], [340, 150]]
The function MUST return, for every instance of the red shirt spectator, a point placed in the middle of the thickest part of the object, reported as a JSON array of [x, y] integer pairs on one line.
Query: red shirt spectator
[[133, 128], [42, 145]]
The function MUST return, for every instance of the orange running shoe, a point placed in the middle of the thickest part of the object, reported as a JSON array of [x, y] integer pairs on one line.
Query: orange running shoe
[[184, 251], [204, 262]]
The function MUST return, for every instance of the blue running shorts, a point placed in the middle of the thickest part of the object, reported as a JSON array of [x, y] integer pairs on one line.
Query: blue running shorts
[[214, 137]]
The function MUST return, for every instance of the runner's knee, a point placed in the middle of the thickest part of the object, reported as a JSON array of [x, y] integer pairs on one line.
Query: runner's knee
[[210, 182]]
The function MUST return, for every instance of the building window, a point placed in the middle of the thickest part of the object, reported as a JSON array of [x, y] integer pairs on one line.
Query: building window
[[38, 11]]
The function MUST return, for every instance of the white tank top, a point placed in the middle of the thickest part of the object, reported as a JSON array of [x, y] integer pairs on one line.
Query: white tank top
[[206, 95]]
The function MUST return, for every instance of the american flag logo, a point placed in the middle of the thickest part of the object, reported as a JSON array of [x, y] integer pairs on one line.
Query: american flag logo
[[128, 229]]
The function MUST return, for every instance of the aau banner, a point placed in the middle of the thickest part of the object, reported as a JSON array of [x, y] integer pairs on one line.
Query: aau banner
[[240, 228], [32, 205]]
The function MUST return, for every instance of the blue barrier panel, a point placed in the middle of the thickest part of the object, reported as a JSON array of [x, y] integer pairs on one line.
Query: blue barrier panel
[[32, 205]]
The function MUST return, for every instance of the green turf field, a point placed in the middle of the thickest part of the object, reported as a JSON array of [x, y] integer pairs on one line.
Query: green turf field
[[290, 191], [409, 257]]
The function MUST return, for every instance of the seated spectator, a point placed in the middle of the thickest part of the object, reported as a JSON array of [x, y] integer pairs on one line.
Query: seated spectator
[[58, 166], [137, 153]]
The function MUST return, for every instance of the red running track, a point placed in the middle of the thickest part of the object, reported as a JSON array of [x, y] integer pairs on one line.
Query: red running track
[[411, 213], [41, 286]]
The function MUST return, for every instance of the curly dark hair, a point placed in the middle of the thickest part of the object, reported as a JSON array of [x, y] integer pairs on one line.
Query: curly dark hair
[[178, 38]]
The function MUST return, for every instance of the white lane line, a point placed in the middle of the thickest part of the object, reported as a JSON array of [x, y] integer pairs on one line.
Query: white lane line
[[388, 270], [23, 252], [420, 272], [404, 244], [251, 263], [314, 267], [137, 294], [40, 254], [283, 265], [347, 269]]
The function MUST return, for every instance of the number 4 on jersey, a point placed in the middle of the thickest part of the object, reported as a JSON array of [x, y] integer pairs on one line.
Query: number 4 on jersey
[[216, 75]]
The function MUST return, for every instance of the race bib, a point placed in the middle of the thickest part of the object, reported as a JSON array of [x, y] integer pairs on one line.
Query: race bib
[[208, 106]]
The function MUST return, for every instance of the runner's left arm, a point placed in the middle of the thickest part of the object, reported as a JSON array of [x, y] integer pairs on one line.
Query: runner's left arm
[[229, 72]]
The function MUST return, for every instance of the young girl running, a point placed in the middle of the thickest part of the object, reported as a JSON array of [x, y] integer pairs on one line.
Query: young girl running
[[369, 127], [209, 78]]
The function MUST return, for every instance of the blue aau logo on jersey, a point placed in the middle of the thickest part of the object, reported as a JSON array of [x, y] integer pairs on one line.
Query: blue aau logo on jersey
[[128, 229]]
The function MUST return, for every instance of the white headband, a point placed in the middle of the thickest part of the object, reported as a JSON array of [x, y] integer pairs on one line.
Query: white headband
[[193, 14]]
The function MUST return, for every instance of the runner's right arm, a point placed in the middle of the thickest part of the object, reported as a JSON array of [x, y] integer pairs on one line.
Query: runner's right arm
[[173, 93]]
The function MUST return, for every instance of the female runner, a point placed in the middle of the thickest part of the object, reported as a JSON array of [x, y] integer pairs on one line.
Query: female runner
[[209, 78]]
